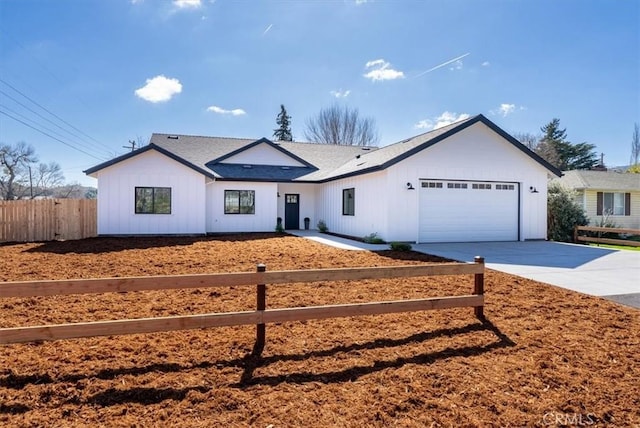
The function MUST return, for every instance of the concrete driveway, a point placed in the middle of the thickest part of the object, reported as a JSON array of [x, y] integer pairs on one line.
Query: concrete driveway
[[614, 274]]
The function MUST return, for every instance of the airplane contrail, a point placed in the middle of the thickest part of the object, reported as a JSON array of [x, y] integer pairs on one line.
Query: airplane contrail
[[443, 64], [267, 30]]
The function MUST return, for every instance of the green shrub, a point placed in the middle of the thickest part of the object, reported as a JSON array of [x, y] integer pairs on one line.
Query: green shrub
[[563, 214], [400, 246], [373, 238], [279, 228], [322, 226]]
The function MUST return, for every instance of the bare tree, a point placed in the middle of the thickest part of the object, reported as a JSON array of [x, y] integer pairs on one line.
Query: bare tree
[[21, 176], [528, 139], [548, 152], [341, 125], [536, 144], [14, 169], [70, 191], [44, 178], [635, 145]]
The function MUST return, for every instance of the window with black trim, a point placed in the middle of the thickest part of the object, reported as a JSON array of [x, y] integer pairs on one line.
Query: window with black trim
[[239, 201], [153, 200], [505, 187], [456, 185], [483, 186], [349, 201]]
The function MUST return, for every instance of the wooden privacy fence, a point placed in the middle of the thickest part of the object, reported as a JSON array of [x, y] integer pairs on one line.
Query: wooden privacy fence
[[602, 230], [47, 219], [259, 317]]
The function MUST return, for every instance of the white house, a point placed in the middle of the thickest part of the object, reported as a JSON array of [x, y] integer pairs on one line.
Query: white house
[[468, 181]]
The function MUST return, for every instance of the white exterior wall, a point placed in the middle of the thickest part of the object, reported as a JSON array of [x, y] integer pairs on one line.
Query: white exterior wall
[[116, 197], [371, 201], [266, 209], [307, 201], [628, 222], [263, 154], [475, 153]]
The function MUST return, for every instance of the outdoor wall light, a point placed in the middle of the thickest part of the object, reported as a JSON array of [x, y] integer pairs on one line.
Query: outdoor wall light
[[533, 189], [410, 186]]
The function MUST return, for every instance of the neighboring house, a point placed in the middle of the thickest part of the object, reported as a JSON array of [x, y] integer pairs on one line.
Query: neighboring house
[[468, 181], [608, 196]]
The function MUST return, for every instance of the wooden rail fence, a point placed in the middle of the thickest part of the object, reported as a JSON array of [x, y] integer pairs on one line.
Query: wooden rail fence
[[601, 230], [47, 219], [259, 317]]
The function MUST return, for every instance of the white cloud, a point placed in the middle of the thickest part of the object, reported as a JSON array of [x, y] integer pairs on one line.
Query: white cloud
[[486, 64], [374, 63], [187, 4], [361, 1], [159, 89], [220, 110], [340, 93], [381, 70], [505, 110], [446, 118], [136, 1], [424, 124]]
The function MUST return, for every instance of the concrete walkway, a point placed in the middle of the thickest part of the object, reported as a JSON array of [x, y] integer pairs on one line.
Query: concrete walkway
[[614, 274]]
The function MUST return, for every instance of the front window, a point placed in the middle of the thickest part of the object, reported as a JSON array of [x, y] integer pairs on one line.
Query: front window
[[613, 203], [153, 200], [239, 202], [349, 201]]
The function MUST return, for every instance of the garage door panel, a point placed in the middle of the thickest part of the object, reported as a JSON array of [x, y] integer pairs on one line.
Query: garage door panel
[[480, 212]]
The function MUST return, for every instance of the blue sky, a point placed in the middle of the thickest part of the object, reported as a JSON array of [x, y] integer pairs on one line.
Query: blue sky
[[118, 70]]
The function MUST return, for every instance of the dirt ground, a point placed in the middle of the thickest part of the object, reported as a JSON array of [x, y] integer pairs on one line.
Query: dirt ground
[[545, 357]]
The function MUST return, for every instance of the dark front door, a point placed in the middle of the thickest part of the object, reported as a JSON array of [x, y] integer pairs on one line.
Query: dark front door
[[292, 211]]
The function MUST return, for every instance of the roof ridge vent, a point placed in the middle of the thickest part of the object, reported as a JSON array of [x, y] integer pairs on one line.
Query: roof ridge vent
[[172, 137]]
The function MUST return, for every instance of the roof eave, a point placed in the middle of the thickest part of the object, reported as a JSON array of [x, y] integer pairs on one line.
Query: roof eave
[[171, 155]]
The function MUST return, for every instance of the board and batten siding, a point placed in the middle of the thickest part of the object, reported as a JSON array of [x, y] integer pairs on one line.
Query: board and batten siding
[[475, 153], [307, 192], [371, 205], [628, 222], [116, 197], [263, 154], [266, 208]]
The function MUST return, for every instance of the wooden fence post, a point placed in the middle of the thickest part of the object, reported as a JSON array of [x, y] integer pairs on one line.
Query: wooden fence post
[[261, 305], [478, 287]]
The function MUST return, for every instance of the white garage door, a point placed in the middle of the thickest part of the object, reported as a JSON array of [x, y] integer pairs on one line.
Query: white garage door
[[467, 211]]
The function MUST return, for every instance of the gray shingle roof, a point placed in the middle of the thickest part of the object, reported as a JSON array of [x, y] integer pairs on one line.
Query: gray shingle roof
[[324, 162], [599, 180]]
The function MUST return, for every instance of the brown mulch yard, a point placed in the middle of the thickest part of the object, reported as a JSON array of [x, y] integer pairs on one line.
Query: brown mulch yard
[[546, 356]]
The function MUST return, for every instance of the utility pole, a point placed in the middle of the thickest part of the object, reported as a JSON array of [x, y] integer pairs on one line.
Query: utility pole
[[132, 145], [30, 182]]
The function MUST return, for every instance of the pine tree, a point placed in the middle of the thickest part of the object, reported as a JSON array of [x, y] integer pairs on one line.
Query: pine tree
[[569, 156], [283, 133]]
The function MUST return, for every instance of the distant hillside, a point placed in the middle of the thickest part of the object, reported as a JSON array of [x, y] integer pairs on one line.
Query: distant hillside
[[73, 191]]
